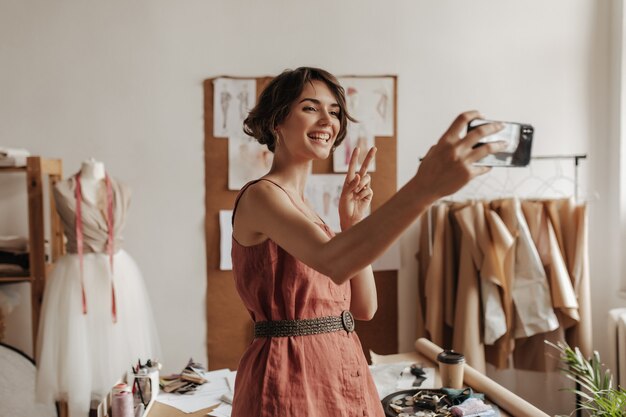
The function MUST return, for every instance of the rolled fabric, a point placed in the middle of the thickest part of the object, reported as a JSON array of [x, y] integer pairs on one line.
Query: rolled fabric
[[504, 398]]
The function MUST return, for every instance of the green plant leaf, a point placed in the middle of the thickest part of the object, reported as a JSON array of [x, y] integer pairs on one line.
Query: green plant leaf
[[597, 395]]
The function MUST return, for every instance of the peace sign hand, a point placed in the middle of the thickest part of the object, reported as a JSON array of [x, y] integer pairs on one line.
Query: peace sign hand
[[356, 195]]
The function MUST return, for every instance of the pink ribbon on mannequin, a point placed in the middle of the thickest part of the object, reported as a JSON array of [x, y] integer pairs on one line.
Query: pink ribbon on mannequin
[[78, 194]]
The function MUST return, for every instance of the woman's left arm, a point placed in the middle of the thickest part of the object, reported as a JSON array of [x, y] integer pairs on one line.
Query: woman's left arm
[[364, 301], [354, 204]]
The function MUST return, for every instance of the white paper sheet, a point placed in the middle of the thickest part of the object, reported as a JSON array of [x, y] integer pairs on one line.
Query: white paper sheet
[[224, 410], [371, 101], [323, 192], [226, 235], [247, 160], [393, 377], [232, 100], [230, 378]]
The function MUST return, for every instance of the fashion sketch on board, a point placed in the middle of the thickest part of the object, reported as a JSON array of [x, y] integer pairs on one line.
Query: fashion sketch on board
[[232, 99]]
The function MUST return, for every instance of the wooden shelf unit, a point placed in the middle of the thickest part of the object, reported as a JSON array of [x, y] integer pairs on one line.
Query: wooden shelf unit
[[36, 171]]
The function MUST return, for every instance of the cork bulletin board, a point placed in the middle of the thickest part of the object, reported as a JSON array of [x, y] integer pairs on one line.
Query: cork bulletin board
[[229, 327]]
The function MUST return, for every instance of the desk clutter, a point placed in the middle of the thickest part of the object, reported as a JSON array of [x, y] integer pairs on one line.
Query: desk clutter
[[191, 390], [134, 397], [406, 389], [185, 382], [437, 403], [195, 388], [409, 390]]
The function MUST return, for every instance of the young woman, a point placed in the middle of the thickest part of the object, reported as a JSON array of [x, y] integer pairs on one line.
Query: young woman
[[302, 285]]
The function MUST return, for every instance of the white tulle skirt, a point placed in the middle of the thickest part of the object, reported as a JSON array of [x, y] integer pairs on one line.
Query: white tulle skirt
[[81, 356]]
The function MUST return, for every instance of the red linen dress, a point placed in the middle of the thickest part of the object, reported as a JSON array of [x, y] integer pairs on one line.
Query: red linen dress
[[323, 375]]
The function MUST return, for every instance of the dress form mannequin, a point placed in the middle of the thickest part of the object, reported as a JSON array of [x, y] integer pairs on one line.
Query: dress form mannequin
[[91, 175], [96, 315]]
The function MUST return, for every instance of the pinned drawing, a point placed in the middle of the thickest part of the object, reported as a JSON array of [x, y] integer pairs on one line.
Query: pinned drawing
[[371, 101], [232, 100], [247, 160], [322, 192], [225, 97], [243, 99], [357, 136]]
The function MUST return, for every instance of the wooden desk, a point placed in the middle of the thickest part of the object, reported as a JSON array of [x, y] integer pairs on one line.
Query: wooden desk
[[509, 403]]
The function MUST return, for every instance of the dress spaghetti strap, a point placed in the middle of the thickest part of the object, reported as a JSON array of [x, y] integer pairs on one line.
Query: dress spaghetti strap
[[245, 187]]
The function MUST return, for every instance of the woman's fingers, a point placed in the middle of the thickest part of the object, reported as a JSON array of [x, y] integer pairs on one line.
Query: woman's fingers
[[477, 170], [480, 152], [352, 186], [365, 193], [456, 129], [368, 159], [352, 165], [364, 183], [475, 135]]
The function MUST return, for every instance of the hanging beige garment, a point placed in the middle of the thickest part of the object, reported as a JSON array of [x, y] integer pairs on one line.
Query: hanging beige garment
[[533, 312], [467, 331], [561, 214], [434, 284], [581, 334], [423, 260], [570, 222], [532, 353], [561, 289], [451, 268], [494, 241], [499, 216]]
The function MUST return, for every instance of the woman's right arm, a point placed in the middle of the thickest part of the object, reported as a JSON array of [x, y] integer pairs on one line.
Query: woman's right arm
[[447, 167]]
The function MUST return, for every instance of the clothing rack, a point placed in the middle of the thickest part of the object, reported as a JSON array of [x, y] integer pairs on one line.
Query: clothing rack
[[575, 157]]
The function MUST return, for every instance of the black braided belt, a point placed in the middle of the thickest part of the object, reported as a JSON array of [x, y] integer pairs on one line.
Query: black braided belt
[[304, 327]]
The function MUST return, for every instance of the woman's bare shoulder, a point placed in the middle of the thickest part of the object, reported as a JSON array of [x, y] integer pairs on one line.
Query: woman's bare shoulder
[[259, 204], [264, 192]]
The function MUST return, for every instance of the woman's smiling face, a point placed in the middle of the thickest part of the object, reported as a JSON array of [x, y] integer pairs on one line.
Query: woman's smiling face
[[311, 127]]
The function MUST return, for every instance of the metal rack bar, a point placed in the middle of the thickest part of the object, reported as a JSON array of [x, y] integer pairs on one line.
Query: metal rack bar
[[576, 157]]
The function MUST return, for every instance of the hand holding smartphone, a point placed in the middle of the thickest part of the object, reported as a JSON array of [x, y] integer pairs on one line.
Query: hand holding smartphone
[[518, 136]]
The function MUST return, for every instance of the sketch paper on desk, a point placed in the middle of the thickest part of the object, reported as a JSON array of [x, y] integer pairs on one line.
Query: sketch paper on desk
[[370, 100], [223, 410], [232, 100], [392, 377], [226, 236]]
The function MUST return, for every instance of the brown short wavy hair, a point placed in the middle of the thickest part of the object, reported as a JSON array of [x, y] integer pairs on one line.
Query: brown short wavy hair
[[277, 98]]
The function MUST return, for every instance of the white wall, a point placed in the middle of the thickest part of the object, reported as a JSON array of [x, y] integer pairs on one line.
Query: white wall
[[122, 81]]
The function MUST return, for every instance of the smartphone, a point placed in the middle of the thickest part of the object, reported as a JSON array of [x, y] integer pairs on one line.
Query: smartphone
[[519, 139]]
